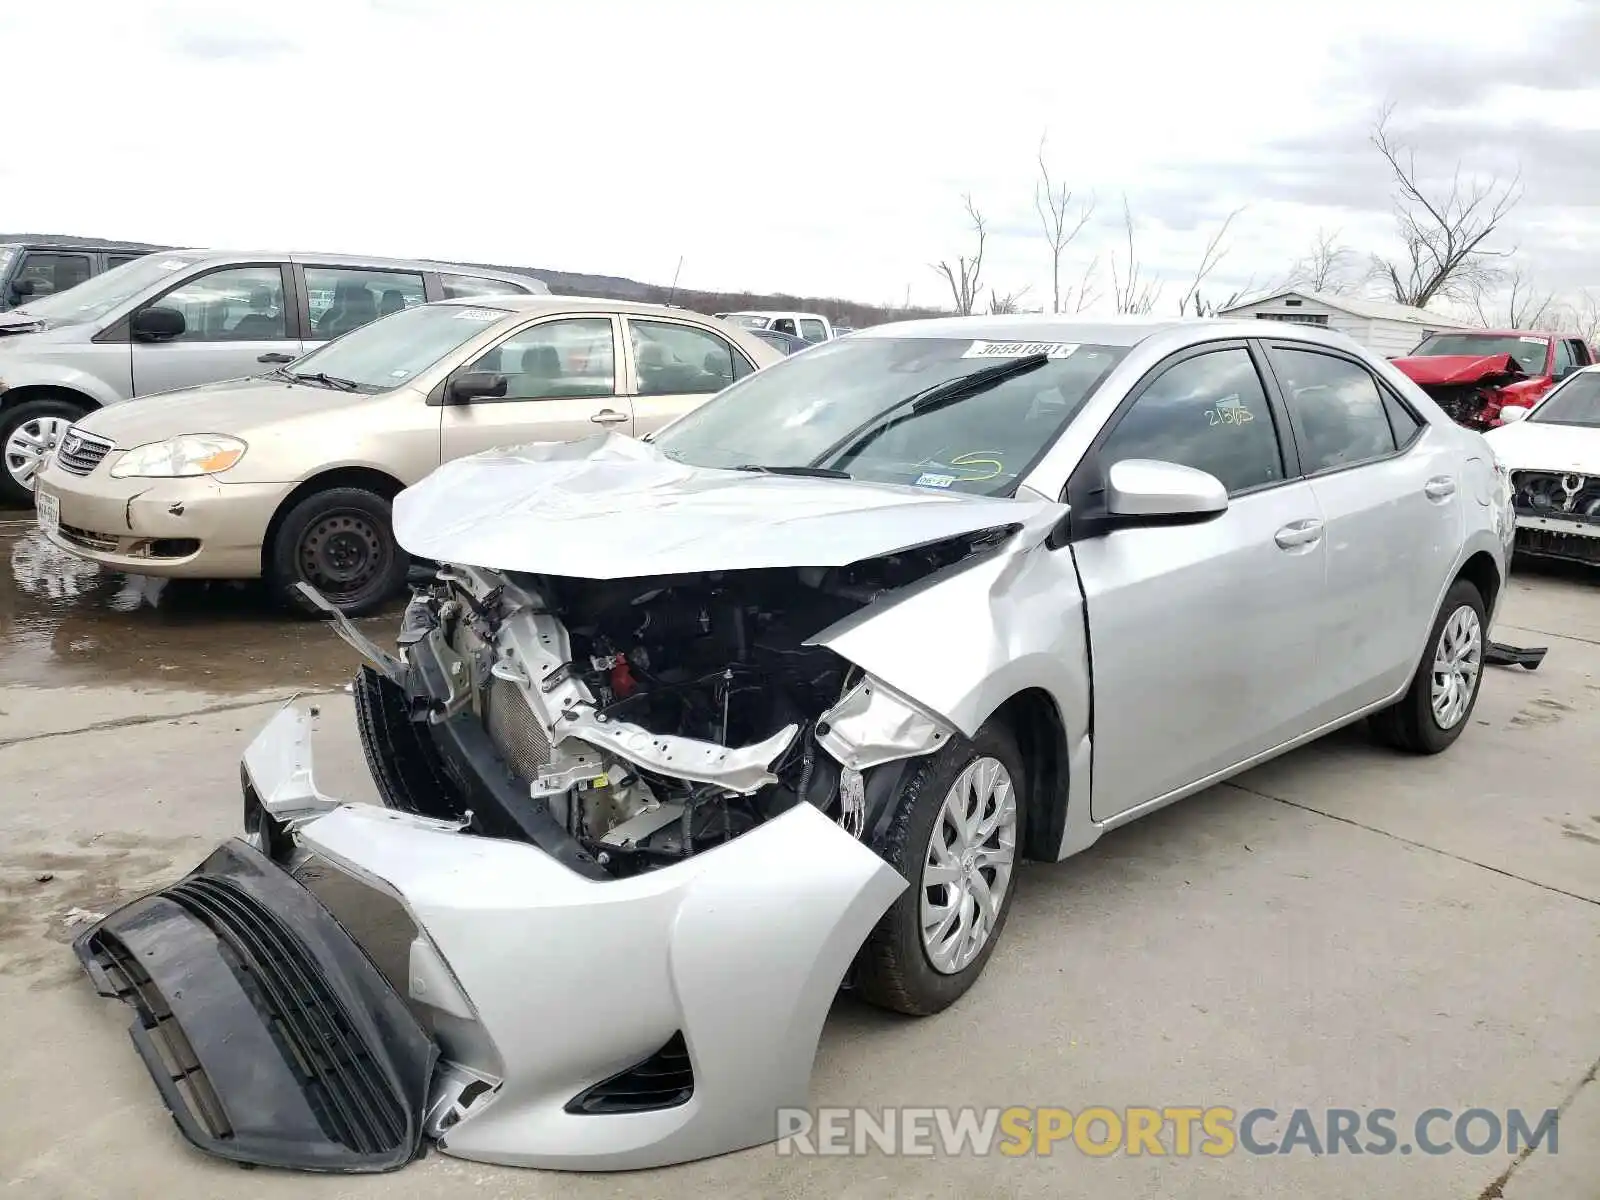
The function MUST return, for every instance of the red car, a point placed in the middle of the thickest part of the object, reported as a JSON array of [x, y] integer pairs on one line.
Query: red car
[[1472, 374]]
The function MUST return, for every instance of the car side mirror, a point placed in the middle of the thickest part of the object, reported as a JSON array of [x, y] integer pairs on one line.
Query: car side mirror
[[23, 288], [1145, 491], [475, 385], [158, 324], [1512, 413]]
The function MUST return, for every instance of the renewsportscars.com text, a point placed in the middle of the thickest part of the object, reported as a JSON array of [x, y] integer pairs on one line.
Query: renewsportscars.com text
[[1176, 1131]]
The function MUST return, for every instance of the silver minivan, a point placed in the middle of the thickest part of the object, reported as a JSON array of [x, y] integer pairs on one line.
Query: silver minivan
[[180, 318]]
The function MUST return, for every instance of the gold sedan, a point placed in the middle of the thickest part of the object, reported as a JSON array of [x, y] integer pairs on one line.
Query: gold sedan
[[290, 475]]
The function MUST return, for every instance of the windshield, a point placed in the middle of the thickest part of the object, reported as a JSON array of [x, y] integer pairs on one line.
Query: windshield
[[387, 353], [1528, 351], [7, 253], [795, 413], [1575, 402], [748, 321], [96, 297]]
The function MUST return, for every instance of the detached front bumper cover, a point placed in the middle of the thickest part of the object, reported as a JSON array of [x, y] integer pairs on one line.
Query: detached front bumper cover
[[271, 1037]]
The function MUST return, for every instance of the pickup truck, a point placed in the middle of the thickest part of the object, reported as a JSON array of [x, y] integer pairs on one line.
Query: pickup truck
[[1473, 374]]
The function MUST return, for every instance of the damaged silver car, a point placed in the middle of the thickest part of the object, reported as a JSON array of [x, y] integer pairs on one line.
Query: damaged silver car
[[686, 733]]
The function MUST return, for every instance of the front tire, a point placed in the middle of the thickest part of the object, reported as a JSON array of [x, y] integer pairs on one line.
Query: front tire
[[1438, 705], [341, 542], [956, 832], [29, 432]]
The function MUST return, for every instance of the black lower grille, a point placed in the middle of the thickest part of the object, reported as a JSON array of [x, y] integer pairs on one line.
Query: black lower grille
[[1552, 543], [664, 1080], [354, 1104]]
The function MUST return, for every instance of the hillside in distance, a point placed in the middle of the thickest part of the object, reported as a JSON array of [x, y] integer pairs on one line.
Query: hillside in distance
[[612, 287]]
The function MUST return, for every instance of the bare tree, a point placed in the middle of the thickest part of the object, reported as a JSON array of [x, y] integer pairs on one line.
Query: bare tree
[[1581, 316], [1006, 304], [965, 275], [1443, 230], [1086, 293], [1329, 267], [1512, 302], [1053, 201], [1216, 250], [1132, 292]]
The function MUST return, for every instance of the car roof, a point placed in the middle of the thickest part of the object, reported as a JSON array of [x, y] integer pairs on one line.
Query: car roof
[[776, 312], [1533, 333], [209, 257], [1127, 331], [528, 304]]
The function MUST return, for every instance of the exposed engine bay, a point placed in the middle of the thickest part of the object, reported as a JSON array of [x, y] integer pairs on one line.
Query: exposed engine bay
[[1556, 494], [648, 719]]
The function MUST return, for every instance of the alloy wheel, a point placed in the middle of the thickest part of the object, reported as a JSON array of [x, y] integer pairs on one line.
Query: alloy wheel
[[967, 869], [30, 444], [1456, 662]]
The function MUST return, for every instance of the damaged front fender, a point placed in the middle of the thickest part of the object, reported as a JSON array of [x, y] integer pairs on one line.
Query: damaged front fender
[[874, 724]]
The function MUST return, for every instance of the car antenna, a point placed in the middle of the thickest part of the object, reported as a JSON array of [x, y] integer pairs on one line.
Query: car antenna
[[673, 290]]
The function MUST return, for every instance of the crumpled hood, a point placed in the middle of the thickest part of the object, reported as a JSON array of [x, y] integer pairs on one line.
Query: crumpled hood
[[610, 507], [1443, 370], [1536, 446], [16, 321]]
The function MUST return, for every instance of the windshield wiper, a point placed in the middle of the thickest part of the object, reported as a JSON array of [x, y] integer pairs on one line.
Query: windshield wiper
[[807, 472], [931, 399], [326, 380]]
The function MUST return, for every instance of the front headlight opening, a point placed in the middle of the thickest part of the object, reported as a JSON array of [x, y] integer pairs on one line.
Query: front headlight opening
[[179, 457]]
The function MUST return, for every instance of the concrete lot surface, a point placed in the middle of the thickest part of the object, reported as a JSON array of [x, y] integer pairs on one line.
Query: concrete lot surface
[[1342, 928]]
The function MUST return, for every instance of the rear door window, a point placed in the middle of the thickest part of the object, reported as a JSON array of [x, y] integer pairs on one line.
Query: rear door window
[[1337, 409], [339, 299], [678, 360]]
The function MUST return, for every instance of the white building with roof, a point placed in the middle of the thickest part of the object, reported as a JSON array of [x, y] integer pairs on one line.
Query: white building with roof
[[1392, 330]]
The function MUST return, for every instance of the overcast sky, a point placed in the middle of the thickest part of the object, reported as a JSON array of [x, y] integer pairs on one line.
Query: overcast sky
[[817, 147]]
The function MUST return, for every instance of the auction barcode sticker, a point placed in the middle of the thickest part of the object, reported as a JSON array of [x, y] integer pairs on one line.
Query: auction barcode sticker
[[1019, 349]]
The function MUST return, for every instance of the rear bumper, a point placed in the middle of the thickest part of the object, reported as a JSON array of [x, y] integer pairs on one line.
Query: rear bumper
[[269, 1034]]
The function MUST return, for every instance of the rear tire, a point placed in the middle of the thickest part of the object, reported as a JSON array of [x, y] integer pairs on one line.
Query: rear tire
[[1444, 691], [896, 968], [22, 426], [341, 542]]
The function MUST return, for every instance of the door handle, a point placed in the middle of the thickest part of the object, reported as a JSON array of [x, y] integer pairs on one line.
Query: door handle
[[1440, 487], [607, 416], [1299, 533]]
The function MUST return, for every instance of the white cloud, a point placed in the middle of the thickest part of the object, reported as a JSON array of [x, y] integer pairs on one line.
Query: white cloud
[[820, 149]]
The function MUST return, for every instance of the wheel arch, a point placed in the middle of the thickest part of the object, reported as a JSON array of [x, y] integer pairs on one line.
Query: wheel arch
[[11, 398], [1033, 719], [368, 479], [1483, 573]]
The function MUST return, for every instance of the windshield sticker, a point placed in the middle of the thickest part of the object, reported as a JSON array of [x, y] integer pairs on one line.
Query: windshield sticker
[[172, 264], [1536, 340], [400, 374], [1019, 349], [1230, 410], [479, 314], [934, 481]]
